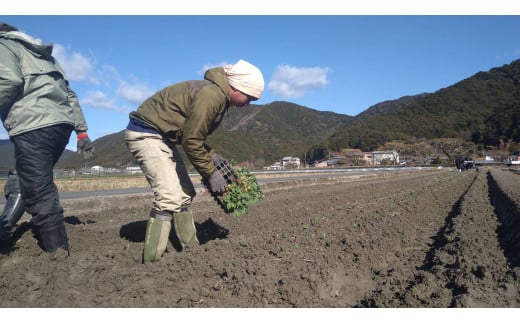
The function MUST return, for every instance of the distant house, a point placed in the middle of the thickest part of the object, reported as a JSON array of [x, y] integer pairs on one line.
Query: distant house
[[387, 157], [286, 162], [334, 161], [96, 170], [322, 164], [291, 161], [356, 157]]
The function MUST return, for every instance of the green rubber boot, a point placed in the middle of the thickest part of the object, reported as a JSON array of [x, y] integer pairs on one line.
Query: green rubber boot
[[185, 227], [157, 232]]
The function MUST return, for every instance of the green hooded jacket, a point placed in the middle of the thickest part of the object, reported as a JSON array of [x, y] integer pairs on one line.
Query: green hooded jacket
[[34, 92], [187, 112]]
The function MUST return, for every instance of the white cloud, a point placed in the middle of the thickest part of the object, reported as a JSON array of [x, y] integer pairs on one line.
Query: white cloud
[[76, 66], [98, 100], [294, 82], [108, 75], [134, 93]]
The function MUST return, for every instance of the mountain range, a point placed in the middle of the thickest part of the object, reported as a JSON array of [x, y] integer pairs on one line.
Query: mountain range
[[483, 109]]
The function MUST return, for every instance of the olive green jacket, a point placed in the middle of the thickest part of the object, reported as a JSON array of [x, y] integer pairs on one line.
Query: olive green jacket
[[187, 112], [34, 92]]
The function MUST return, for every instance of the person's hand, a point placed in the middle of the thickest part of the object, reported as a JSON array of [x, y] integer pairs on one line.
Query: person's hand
[[85, 146], [224, 168], [217, 183], [217, 159]]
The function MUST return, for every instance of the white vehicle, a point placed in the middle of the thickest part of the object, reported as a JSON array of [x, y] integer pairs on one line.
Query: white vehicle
[[512, 162]]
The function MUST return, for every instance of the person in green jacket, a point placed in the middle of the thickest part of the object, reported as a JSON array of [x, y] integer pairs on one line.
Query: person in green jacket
[[184, 114], [39, 110]]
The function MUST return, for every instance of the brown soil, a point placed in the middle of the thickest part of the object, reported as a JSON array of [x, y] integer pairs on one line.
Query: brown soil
[[437, 238]]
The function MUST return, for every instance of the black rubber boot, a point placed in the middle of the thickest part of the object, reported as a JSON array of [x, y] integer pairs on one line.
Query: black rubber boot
[[54, 237], [13, 208], [5, 233]]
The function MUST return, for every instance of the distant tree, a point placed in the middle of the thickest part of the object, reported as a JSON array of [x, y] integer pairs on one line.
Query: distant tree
[[317, 153]]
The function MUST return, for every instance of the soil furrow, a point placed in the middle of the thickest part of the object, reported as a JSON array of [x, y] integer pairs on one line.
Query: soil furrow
[[421, 239]]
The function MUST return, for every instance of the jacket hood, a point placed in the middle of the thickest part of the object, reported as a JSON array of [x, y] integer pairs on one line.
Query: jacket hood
[[33, 44], [218, 76]]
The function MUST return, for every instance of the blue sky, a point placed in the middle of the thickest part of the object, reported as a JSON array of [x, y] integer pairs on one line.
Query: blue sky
[[343, 64]]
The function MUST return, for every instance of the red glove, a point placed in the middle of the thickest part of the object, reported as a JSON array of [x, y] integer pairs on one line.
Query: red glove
[[85, 146]]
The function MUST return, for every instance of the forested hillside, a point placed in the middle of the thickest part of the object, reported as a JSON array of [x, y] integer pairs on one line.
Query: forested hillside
[[484, 109], [265, 134]]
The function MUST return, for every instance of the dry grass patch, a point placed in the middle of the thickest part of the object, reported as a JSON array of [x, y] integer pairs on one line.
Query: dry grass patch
[[93, 183]]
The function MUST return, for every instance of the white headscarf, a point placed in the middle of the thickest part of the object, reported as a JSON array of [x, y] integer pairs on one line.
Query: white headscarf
[[246, 78]]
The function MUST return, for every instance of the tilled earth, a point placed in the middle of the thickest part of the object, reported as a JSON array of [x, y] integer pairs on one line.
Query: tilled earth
[[438, 238]]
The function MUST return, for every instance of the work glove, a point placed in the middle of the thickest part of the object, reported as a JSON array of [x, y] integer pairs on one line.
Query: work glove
[[217, 159], [85, 146], [223, 166], [217, 183]]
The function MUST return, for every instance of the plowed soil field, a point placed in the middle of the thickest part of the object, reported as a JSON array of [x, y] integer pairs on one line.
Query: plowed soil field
[[427, 239]]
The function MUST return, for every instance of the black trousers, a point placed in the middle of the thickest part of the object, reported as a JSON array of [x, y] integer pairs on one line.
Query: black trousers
[[36, 153]]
